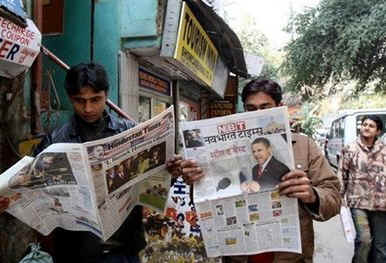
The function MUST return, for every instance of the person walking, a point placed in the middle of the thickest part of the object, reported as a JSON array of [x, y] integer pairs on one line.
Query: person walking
[[363, 170]]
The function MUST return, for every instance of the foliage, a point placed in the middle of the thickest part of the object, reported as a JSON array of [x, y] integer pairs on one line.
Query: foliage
[[336, 41], [309, 122], [256, 43], [365, 102]]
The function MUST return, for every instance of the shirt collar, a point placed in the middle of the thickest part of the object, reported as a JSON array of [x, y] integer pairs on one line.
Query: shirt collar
[[111, 125], [266, 162]]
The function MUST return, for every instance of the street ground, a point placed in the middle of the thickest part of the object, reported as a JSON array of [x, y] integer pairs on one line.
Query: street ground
[[330, 243]]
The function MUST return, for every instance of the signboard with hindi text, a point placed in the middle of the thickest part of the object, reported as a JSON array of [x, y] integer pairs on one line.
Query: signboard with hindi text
[[194, 49]]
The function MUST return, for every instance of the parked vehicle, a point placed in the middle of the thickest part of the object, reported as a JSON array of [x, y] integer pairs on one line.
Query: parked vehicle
[[345, 129]]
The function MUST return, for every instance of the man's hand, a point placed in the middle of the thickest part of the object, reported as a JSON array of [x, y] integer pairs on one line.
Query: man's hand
[[173, 165], [4, 203], [297, 184], [191, 172], [250, 187]]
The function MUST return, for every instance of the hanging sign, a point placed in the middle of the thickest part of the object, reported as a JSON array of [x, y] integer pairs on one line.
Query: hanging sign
[[19, 46], [194, 49]]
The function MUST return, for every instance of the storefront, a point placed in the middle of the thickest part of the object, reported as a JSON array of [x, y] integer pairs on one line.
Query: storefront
[[197, 52], [155, 94]]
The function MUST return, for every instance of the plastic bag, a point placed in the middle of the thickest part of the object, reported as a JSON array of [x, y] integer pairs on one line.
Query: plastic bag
[[36, 255], [347, 224]]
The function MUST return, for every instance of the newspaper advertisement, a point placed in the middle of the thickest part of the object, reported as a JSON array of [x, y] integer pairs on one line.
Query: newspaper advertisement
[[92, 186], [238, 204]]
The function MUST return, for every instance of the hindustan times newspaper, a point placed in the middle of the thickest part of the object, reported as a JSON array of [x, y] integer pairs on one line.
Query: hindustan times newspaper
[[238, 203], [92, 186]]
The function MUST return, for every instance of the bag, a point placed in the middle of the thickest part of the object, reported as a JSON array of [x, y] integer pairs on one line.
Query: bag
[[36, 255], [347, 224]]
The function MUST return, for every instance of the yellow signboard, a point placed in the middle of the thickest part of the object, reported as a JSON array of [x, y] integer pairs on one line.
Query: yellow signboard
[[194, 48]]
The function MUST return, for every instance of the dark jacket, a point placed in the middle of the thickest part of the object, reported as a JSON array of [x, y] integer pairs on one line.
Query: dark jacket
[[81, 246], [272, 174]]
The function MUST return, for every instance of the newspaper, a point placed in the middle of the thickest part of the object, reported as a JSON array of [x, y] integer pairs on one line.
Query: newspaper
[[92, 186], [239, 207]]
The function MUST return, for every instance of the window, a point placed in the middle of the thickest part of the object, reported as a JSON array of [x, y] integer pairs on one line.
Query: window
[[144, 111], [150, 107], [53, 16]]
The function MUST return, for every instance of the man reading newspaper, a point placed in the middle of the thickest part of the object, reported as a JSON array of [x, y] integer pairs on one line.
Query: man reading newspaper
[[87, 87], [312, 182]]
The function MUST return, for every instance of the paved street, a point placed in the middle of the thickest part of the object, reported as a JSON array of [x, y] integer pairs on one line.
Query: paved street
[[330, 244]]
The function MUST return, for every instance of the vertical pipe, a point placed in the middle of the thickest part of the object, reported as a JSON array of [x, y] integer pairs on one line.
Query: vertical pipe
[[92, 24], [36, 75], [176, 99]]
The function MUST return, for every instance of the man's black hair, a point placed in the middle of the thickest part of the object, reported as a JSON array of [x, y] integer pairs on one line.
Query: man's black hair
[[86, 74], [262, 140], [376, 119], [267, 86]]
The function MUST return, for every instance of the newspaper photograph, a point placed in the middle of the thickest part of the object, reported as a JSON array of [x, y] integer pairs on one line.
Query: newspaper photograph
[[243, 157], [92, 186]]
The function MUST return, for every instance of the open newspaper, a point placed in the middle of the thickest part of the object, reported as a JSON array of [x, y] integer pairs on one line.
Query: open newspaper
[[239, 207], [92, 186]]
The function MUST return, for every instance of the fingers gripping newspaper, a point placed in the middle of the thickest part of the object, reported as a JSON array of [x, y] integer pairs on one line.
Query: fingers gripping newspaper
[[238, 203], [92, 186]]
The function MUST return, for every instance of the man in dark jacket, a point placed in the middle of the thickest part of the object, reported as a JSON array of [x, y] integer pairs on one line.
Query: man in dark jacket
[[87, 87]]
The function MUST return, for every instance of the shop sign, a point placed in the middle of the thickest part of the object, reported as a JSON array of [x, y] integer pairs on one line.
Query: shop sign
[[19, 47], [194, 49], [222, 108], [14, 7], [153, 82]]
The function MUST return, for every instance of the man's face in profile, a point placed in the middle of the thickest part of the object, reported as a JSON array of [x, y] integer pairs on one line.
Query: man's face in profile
[[261, 152], [369, 129]]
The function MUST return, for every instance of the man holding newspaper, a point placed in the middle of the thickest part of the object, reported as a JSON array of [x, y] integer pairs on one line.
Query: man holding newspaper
[[87, 87], [312, 182]]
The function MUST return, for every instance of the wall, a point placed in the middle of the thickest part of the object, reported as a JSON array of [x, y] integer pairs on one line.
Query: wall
[[107, 41], [139, 25], [73, 46]]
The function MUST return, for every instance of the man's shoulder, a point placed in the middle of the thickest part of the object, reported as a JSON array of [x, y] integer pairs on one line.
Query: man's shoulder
[[300, 141], [301, 137], [120, 124], [353, 146], [62, 133]]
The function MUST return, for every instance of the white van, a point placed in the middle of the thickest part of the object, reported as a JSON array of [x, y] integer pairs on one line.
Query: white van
[[345, 130]]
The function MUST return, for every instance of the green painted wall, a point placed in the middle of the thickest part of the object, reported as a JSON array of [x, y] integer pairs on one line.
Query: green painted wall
[[139, 24], [73, 46], [107, 41], [139, 18]]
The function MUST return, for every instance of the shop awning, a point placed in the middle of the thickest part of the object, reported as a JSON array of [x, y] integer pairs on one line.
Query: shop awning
[[224, 38]]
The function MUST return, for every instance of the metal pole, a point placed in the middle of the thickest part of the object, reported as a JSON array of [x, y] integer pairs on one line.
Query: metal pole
[[36, 76]]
